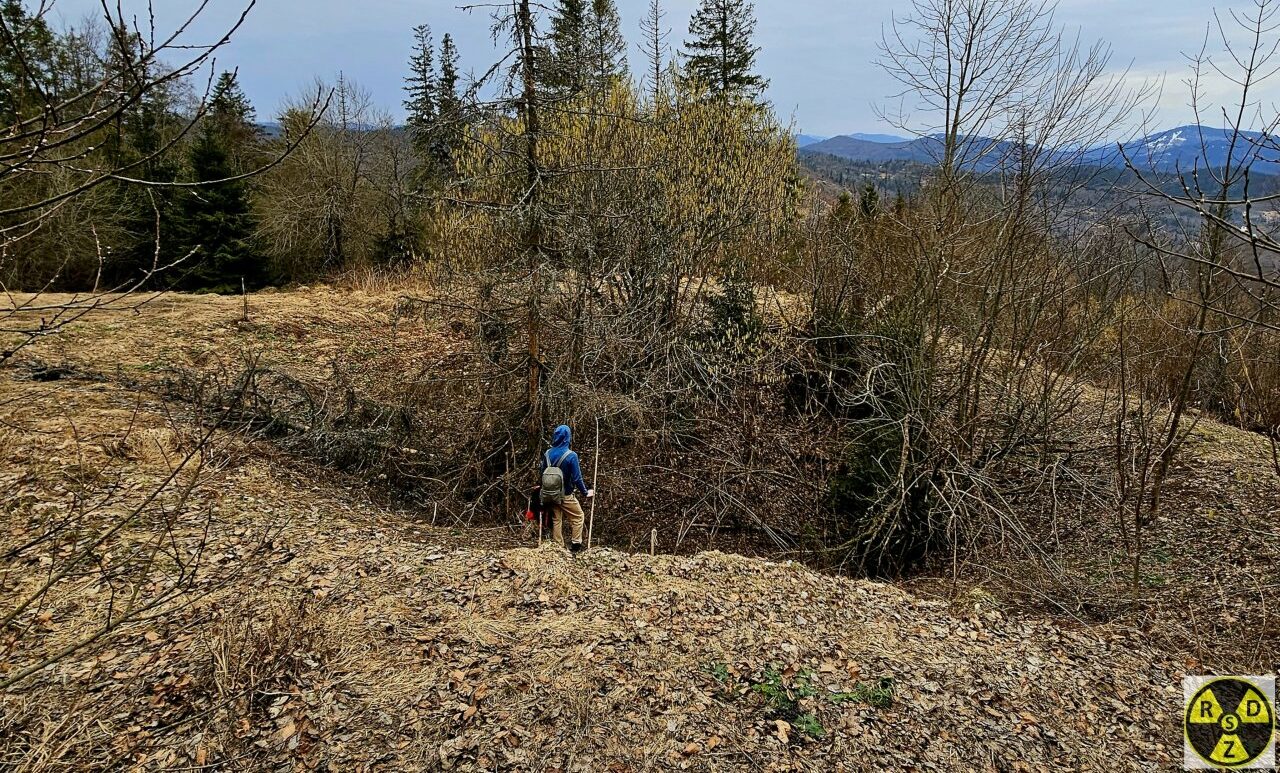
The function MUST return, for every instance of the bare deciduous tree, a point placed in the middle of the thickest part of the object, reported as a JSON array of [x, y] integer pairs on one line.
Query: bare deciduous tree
[[1218, 256], [995, 85]]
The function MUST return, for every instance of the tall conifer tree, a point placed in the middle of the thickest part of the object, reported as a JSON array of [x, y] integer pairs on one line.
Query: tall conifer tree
[[586, 49], [564, 73], [235, 122], [145, 130], [721, 54], [26, 62], [216, 219], [448, 107], [421, 87], [606, 49]]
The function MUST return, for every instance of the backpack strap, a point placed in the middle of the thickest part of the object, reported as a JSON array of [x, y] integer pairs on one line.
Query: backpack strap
[[562, 456]]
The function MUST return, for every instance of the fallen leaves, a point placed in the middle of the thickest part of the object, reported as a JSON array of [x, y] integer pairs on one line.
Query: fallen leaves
[[287, 730], [448, 654], [782, 729], [403, 649]]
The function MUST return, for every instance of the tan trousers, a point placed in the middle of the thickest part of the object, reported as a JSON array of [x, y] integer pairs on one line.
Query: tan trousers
[[576, 518]]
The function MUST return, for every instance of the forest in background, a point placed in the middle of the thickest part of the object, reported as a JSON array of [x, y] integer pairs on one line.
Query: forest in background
[[635, 244]]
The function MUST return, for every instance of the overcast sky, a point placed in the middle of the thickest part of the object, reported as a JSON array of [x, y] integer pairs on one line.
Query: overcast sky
[[818, 54]]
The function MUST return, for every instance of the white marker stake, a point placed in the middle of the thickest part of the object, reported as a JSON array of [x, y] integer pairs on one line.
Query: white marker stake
[[595, 478]]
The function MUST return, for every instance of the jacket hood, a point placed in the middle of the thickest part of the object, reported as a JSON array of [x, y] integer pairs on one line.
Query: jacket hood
[[561, 437]]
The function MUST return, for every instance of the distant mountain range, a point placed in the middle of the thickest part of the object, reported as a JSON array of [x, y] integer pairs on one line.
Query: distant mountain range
[[805, 140], [850, 146], [1185, 148], [887, 139], [1190, 147]]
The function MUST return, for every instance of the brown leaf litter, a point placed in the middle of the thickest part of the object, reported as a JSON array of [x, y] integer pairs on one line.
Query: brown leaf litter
[[364, 641], [329, 632]]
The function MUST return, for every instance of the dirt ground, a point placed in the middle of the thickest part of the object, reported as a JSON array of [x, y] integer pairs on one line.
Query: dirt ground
[[293, 617]]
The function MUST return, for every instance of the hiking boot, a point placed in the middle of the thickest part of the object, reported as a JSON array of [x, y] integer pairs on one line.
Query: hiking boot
[[576, 548]]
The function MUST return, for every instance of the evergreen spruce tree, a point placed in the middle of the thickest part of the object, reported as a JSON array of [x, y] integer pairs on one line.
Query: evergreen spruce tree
[[216, 219], [235, 122], [720, 54], [26, 62], [447, 97], [585, 49], [844, 213], [118, 73], [869, 202], [565, 70], [146, 129], [421, 87], [606, 49], [448, 107], [138, 135]]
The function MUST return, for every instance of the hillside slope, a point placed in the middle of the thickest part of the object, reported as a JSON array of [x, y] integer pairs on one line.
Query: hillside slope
[[357, 638], [331, 630]]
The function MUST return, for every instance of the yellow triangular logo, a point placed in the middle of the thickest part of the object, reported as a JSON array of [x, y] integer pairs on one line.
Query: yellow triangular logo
[[1229, 751], [1205, 709], [1253, 708]]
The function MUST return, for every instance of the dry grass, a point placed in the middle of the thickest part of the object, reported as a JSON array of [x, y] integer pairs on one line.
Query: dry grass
[[357, 637], [1207, 592]]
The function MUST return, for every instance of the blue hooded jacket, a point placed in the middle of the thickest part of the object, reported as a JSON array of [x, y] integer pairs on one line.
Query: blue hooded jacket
[[569, 466]]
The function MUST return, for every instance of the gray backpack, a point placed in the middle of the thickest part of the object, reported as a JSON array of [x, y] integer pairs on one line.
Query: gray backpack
[[553, 481]]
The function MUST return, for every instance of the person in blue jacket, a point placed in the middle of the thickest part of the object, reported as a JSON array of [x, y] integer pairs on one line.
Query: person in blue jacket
[[568, 462]]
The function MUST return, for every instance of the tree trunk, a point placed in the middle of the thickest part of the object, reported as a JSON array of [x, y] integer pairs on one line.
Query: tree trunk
[[533, 226]]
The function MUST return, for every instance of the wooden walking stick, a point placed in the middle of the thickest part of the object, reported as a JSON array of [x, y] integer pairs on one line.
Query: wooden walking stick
[[595, 478]]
